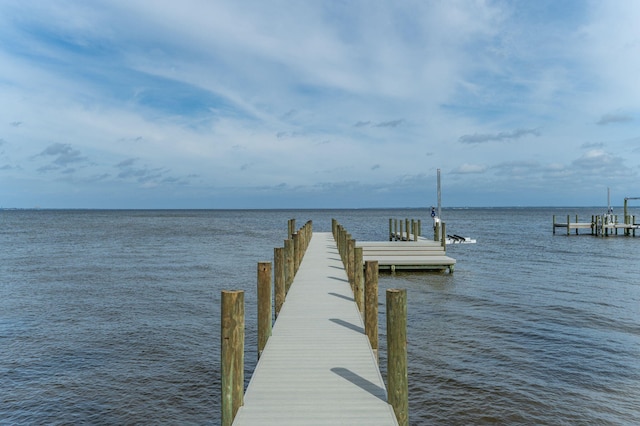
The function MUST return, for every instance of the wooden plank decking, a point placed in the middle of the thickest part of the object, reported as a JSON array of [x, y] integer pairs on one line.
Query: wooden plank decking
[[414, 255], [318, 367]]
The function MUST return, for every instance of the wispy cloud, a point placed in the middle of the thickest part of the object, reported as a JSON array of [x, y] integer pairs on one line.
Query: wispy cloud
[[465, 169], [614, 118], [63, 156], [137, 95], [497, 137]]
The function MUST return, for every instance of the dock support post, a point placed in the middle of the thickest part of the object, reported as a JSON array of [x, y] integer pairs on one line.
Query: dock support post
[[358, 279], [444, 236], [576, 224], [297, 248], [568, 223], [289, 271], [278, 279], [264, 305], [406, 223], [351, 260], [232, 354], [397, 357], [390, 229], [371, 304], [291, 228]]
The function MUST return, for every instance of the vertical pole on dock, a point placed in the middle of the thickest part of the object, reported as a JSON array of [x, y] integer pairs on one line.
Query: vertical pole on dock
[[351, 259], [406, 226], [289, 272], [279, 286], [576, 224], [390, 229], [291, 228], [568, 223], [554, 224], [296, 252], [232, 354], [358, 279], [371, 304], [420, 227], [444, 236], [264, 305], [397, 357]]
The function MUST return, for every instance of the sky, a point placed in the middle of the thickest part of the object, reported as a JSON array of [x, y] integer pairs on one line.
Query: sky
[[318, 104]]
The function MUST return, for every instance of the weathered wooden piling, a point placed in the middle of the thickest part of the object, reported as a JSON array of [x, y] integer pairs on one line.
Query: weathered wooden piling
[[371, 304], [279, 286], [264, 305], [232, 354], [289, 270], [358, 278], [397, 372]]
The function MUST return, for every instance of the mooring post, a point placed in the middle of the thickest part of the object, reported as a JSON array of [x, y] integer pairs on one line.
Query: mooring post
[[397, 357], [264, 305], [568, 224], [390, 229], [351, 260], [296, 252], [371, 304], [406, 228], [444, 236], [232, 354], [358, 279], [289, 271], [576, 224], [279, 286]]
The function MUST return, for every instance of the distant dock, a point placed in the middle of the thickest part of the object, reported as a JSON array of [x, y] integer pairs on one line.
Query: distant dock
[[602, 225]]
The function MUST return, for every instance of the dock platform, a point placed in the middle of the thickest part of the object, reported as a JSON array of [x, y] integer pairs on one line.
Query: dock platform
[[317, 367], [422, 254]]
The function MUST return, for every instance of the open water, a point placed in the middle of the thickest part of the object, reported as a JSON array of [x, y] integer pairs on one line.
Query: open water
[[113, 317]]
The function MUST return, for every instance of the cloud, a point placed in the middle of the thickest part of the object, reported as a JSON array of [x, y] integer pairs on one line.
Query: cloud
[[362, 124], [614, 119], [588, 145], [375, 167], [466, 169], [498, 137], [64, 155], [16, 123], [391, 123]]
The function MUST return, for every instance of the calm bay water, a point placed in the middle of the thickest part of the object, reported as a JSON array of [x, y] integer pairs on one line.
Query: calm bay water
[[112, 317]]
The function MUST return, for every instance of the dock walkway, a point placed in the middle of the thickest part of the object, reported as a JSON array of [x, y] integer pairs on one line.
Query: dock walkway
[[318, 367]]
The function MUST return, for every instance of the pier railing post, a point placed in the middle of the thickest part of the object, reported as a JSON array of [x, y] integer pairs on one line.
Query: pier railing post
[[288, 264], [232, 354], [351, 260], [358, 279], [279, 286], [264, 305], [397, 354], [444, 236], [371, 303], [296, 252]]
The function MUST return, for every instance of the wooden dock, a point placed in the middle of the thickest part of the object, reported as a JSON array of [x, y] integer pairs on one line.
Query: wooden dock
[[422, 254], [318, 367], [603, 225]]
